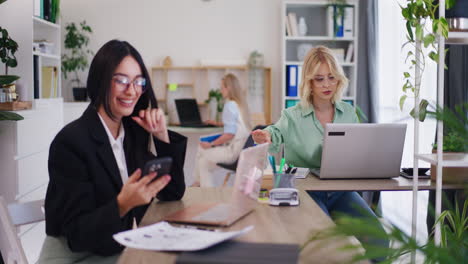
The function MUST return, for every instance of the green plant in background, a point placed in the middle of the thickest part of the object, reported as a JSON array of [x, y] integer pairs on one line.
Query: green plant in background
[[452, 250], [216, 94], [422, 26], [8, 48], [456, 127], [76, 43]]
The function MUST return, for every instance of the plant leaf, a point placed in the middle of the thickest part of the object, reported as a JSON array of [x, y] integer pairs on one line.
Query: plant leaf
[[402, 101], [4, 115]]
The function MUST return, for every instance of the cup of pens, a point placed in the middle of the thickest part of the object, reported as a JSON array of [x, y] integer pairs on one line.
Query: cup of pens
[[281, 179]]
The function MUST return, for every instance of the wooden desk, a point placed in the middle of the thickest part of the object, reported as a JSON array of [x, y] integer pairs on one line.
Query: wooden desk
[[193, 136], [312, 183], [272, 224]]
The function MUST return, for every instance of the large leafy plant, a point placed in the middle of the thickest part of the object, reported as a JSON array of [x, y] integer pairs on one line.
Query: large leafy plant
[[423, 26], [456, 122], [452, 250], [76, 43], [8, 48]]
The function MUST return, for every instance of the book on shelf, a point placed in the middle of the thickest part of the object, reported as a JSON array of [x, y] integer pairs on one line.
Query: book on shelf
[[49, 82], [348, 22], [293, 24], [36, 76], [291, 80], [288, 27], [339, 54], [349, 53]]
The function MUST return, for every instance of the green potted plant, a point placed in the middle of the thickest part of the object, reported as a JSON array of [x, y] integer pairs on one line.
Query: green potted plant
[[215, 100], [455, 139], [8, 48], [76, 59]]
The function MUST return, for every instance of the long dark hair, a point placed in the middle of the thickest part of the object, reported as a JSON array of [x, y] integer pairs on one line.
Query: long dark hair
[[102, 69]]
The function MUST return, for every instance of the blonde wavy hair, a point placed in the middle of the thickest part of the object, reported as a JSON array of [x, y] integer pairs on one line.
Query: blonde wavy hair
[[238, 95], [313, 60]]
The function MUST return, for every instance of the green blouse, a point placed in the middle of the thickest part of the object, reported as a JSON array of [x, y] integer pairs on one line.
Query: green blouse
[[302, 134]]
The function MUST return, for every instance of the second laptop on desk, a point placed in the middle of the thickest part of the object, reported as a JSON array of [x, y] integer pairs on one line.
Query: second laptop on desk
[[361, 151], [189, 114]]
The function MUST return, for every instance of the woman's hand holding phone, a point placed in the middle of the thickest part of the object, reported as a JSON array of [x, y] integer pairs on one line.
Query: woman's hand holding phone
[[140, 190], [153, 121]]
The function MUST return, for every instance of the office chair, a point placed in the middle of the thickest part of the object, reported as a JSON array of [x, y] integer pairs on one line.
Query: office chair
[[231, 167], [11, 217]]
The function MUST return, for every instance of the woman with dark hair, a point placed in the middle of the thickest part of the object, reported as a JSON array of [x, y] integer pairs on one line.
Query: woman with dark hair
[[96, 188]]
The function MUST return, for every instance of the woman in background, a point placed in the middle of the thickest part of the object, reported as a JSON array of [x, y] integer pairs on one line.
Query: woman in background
[[96, 188], [301, 127], [227, 147]]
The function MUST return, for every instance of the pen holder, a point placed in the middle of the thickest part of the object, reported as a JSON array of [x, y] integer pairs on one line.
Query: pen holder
[[284, 180]]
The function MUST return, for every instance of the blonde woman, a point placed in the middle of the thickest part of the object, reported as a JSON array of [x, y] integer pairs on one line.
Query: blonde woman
[[236, 124], [301, 127]]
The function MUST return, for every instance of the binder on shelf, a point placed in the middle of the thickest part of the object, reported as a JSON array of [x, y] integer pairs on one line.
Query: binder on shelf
[[46, 9], [288, 27], [291, 80], [349, 52], [330, 21], [348, 22], [47, 86], [299, 75], [37, 8], [293, 24], [291, 103], [335, 27]]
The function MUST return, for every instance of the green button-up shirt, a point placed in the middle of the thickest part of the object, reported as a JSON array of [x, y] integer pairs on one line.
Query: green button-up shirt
[[302, 134]]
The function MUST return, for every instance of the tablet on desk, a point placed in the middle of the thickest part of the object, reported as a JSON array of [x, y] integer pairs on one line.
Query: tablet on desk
[[408, 173]]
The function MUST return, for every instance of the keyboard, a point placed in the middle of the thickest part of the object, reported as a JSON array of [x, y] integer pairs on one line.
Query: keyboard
[[217, 213]]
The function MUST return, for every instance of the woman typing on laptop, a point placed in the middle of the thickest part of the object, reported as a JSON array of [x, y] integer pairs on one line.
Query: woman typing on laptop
[[96, 188], [301, 127], [227, 147]]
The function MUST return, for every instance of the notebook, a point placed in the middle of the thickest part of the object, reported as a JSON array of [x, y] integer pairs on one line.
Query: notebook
[[361, 151], [189, 114], [244, 194]]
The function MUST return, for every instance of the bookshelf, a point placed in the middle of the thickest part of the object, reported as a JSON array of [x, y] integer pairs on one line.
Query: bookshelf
[[174, 82], [321, 30], [46, 58]]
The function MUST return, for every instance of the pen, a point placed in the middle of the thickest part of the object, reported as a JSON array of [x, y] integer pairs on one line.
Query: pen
[[272, 162], [293, 170], [281, 165]]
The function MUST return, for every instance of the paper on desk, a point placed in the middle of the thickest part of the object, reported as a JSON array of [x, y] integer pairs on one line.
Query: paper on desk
[[162, 236]]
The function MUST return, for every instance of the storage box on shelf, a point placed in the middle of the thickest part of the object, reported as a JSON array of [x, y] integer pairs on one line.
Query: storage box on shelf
[[174, 82], [316, 25]]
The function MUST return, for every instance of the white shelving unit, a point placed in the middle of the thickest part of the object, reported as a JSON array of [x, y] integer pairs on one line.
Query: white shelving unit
[[50, 32], [317, 18], [439, 159]]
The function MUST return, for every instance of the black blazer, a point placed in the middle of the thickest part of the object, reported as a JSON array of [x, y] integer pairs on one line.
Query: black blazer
[[81, 200]]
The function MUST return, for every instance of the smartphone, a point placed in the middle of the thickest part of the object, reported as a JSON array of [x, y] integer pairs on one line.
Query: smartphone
[[161, 166]]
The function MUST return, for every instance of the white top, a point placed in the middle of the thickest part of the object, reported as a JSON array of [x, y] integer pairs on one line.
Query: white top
[[118, 150]]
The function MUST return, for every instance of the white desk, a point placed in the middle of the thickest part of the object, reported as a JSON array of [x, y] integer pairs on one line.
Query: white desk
[[193, 135]]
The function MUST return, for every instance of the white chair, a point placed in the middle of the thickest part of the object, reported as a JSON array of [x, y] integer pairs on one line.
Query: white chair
[[11, 217]]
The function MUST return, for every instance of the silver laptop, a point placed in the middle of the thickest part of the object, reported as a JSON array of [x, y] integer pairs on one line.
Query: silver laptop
[[361, 151], [244, 195]]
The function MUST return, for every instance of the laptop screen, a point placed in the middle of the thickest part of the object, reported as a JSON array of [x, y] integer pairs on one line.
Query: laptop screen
[[187, 110]]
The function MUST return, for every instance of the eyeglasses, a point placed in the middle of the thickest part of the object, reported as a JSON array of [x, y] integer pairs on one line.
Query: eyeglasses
[[321, 81], [122, 83]]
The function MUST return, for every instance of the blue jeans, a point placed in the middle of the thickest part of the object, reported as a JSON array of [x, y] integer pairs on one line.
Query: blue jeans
[[349, 203]]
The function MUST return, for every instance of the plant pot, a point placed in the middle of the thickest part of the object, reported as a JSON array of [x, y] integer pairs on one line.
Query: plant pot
[[451, 174], [80, 94]]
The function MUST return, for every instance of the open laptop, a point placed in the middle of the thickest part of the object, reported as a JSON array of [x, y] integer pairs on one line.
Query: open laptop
[[189, 114], [244, 194], [361, 151]]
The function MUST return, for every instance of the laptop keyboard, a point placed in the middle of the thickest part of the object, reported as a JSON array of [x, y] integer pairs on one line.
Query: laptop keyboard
[[216, 213]]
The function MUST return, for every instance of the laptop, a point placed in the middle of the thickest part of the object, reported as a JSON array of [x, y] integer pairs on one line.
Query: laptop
[[244, 194], [189, 114], [361, 151]]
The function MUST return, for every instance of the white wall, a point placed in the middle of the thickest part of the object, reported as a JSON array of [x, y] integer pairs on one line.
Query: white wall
[[186, 30]]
